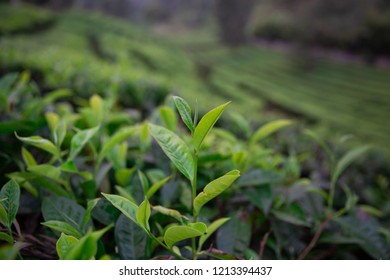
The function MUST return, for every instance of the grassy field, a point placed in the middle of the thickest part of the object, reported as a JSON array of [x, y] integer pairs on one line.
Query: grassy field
[[89, 52]]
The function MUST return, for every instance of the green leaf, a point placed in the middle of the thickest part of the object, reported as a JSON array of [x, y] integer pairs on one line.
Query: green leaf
[[125, 193], [206, 124], [60, 133], [6, 237], [128, 208], [169, 212], [62, 227], [9, 252], [130, 239], [234, 237], [47, 170], [214, 189], [347, 159], [90, 206], [123, 176], [105, 213], [143, 214], [86, 247], [211, 229], [175, 148], [322, 143], [10, 191], [144, 136], [41, 143], [292, 214], [268, 129], [184, 111], [64, 244], [28, 158], [3, 215], [175, 234], [144, 181], [168, 117], [63, 209], [117, 138], [80, 139], [155, 187]]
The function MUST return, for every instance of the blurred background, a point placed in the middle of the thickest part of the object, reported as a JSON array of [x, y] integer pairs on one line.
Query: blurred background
[[325, 62]]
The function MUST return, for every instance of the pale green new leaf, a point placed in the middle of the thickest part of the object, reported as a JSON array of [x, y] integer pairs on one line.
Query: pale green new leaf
[[169, 212], [143, 214], [28, 158], [168, 117], [175, 148], [206, 124], [62, 227], [47, 170], [40, 143], [184, 111], [80, 139], [3, 215], [215, 188], [128, 208], [347, 159], [211, 229], [64, 244], [117, 138], [175, 234], [155, 187], [10, 191], [87, 216], [268, 129], [144, 181]]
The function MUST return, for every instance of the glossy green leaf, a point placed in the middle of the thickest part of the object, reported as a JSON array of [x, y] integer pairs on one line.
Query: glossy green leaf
[[117, 138], [214, 189], [347, 159], [268, 129], [206, 124], [41, 143], [128, 208], [10, 191], [87, 216], [143, 214], [175, 234], [130, 239], [62, 227], [169, 212], [86, 248], [63, 209], [168, 117], [175, 148], [64, 244], [184, 111], [28, 158], [46, 170], [155, 187], [211, 229], [80, 139], [60, 133]]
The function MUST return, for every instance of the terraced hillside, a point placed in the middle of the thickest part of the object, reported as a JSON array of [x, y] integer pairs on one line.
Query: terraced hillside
[[92, 53]]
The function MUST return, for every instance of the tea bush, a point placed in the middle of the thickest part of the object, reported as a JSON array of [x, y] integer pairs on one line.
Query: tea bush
[[100, 183]]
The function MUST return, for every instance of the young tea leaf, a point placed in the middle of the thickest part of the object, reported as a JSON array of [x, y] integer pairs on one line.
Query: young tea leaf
[[206, 124], [128, 208], [184, 111], [28, 158], [211, 229], [175, 234], [90, 206], [155, 187], [40, 143], [80, 139], [268, 129], [11, 193], [214, 189], [169, 212], [64, 244], [62, 227], [175, 148], [47, 170], [169, 118], [143, 214]]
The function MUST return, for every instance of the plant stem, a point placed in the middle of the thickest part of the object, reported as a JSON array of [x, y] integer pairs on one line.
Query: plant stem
[[165, 246], [263, 243], [315, 238], [194, 214]]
